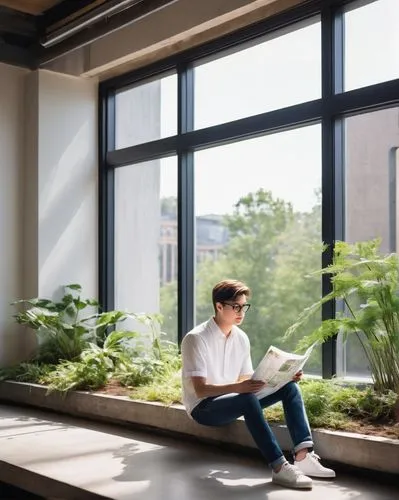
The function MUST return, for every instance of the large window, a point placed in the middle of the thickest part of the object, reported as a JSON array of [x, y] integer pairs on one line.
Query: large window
[[241, 158]]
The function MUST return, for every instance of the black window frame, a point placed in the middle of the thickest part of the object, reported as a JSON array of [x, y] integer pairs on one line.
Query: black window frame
[[330, 110]]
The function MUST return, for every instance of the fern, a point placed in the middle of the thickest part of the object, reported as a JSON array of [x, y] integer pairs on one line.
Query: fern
[[368, 285]]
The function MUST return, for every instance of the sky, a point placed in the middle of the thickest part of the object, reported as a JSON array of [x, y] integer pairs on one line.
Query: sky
[[275, 73], [278, 162]]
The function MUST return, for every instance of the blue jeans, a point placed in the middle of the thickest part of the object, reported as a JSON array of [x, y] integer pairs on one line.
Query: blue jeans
[[222, 410]]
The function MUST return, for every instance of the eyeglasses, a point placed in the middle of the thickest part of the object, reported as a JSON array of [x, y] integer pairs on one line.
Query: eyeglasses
[[237, 307]]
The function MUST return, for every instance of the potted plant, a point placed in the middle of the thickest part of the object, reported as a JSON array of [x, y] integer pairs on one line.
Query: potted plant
[[367, 285]]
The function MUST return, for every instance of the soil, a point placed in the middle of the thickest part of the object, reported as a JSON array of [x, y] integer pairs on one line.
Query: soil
[[113, 388], [384, 430], [390, 430]]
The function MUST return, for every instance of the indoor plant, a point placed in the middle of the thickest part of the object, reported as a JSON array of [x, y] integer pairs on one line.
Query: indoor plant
[[367, 285]]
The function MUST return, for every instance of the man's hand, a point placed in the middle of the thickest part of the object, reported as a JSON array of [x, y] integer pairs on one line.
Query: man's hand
[[297, 377], [249, 386]]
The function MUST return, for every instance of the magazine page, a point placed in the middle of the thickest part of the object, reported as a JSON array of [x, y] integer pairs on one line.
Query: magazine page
[[277, 368]]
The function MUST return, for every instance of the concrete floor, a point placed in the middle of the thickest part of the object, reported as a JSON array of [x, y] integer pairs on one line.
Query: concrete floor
[[57, 456]]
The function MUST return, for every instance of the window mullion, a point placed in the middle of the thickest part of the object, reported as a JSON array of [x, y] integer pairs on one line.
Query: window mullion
[[106, 201], [186, 219], [328, 180]]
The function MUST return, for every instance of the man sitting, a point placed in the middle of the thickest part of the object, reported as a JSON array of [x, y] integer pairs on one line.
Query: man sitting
[[217, 388]]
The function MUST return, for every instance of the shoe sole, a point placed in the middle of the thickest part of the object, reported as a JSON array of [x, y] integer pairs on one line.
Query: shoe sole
[[324, 475], [293, 486], [321, 476]]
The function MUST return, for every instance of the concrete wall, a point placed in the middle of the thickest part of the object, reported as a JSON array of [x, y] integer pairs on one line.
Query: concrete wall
[[60, 223], [11, 195], [48, 193], [67, 183], [30, 220]]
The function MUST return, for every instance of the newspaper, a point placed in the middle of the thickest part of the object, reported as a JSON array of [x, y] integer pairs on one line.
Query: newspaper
[[277, 368]]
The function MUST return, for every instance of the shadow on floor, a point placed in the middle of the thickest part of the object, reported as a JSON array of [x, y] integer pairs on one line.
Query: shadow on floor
[[184, 471]]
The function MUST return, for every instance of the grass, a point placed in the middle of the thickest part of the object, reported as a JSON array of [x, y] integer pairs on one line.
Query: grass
[[166, 391]]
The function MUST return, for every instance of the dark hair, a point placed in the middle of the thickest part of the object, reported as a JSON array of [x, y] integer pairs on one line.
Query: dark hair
[[229, 290]]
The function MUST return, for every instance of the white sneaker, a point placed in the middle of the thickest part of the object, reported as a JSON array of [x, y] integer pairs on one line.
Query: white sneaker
[[291, 477], [312, 467]]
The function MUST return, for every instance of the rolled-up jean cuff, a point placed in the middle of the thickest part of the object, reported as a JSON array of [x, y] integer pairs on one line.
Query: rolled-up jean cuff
[[277, 462], [303, 445]]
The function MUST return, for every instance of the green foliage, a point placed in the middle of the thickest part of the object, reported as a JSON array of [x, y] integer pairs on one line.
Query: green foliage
[[106, 320], [155, 365], [316, 397], [77, 351], [349, 401], [367, 284], [77, 375], [167, 391], [60, 333], [332, 406], [82, 352], [62, 329], [366, 404], [155, 360], [26, 372], [131, 358], [94, 367], [141, 372]]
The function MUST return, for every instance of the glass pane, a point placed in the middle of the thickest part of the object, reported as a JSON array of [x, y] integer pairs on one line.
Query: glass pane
[[146, 112], [146, 240], [371, 178], [258, 219], [371, 44], [371, 141], [283, 70]]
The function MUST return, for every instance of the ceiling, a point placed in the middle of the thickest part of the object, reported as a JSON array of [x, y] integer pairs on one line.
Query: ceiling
[[35, 32], [34, 7]]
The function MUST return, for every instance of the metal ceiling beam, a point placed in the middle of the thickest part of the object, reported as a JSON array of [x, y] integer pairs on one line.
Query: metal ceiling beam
[[103, 11], [62, 11], [101, 28]]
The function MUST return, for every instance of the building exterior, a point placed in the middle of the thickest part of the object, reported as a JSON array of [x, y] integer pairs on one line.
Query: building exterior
[[211, 237]]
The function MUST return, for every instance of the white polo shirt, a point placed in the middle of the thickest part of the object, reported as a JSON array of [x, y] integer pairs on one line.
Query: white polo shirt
[[207, 352]]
